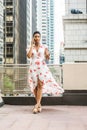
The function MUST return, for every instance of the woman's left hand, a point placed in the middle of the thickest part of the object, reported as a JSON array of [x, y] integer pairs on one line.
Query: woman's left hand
[[47, 54]]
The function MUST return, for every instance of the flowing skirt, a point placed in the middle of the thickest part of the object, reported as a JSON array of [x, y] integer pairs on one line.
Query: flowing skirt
[[39, 70]]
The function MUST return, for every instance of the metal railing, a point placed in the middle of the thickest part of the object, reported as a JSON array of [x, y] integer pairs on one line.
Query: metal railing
[[14, 78]]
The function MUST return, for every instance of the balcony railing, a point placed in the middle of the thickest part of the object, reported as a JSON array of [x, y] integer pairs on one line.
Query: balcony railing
[[14, 78]]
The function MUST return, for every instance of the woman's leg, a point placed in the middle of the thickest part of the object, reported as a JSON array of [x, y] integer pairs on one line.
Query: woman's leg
[[39, 92], [35, 93], [35, 110], [38, 97]]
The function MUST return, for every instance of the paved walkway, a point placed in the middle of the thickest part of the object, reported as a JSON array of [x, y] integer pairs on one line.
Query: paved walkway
[[14, 117]]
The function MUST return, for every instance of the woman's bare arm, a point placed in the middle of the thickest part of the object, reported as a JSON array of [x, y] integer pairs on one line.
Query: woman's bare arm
[[29, 54]]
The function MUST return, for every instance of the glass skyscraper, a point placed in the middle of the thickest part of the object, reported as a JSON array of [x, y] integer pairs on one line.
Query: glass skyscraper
[[34, 14], [50, 29], [45, 24], [1, 32]]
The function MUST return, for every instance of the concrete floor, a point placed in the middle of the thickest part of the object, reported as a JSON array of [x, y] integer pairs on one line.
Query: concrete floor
[[14, 117]]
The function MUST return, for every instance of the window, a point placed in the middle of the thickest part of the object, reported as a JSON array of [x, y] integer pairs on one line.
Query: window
[[9, 34], [9, 50], [9, 2], [9, 29], [9, 23], [9, 11]]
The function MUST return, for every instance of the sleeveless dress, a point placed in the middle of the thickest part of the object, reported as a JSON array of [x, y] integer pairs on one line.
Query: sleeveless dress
[[39, 69]]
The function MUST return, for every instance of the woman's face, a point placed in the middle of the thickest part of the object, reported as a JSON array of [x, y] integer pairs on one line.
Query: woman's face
[[37, 38]]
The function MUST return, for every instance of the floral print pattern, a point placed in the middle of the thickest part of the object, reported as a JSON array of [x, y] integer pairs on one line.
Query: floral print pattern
[[39, 69]]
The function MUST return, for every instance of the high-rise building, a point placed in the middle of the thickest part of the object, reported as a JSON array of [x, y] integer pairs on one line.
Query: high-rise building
[[75, 31], [41, 19], [45, 24], [50, 29], [16, 30], [34, 15], [29, 23], [1, 32]]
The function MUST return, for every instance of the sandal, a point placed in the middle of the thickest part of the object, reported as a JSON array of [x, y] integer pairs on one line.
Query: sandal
[[39, 108], [35, 110]]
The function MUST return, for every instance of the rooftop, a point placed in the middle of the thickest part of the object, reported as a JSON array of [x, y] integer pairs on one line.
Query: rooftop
[[57, 117]]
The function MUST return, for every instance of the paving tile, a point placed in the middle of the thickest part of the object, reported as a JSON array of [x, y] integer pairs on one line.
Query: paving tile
[[14, 117]]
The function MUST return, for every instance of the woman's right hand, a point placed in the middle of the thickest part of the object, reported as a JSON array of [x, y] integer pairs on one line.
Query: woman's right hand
[[32, 42]]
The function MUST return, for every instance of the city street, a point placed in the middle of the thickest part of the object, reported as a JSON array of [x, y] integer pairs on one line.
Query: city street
[[15, 117]]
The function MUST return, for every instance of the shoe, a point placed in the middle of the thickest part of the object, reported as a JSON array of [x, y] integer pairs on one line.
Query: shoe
[[39, 108], [35, 110]]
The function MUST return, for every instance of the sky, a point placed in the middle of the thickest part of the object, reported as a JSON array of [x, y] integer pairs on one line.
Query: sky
[[59, 11]]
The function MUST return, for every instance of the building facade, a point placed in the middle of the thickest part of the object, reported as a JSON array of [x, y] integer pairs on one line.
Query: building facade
[[34, 15], [1, 32], [50, 29], [30, 22], [21, 19], [45, 24], [61, 55], [75, 31], [16, 32]]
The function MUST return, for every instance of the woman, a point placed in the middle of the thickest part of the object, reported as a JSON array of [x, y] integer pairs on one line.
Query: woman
[[40, 77]]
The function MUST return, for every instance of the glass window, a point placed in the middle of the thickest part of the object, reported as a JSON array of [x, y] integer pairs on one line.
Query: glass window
[[9, 11]]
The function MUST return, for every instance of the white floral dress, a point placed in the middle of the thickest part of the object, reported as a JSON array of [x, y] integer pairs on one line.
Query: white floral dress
[[39, 69]]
